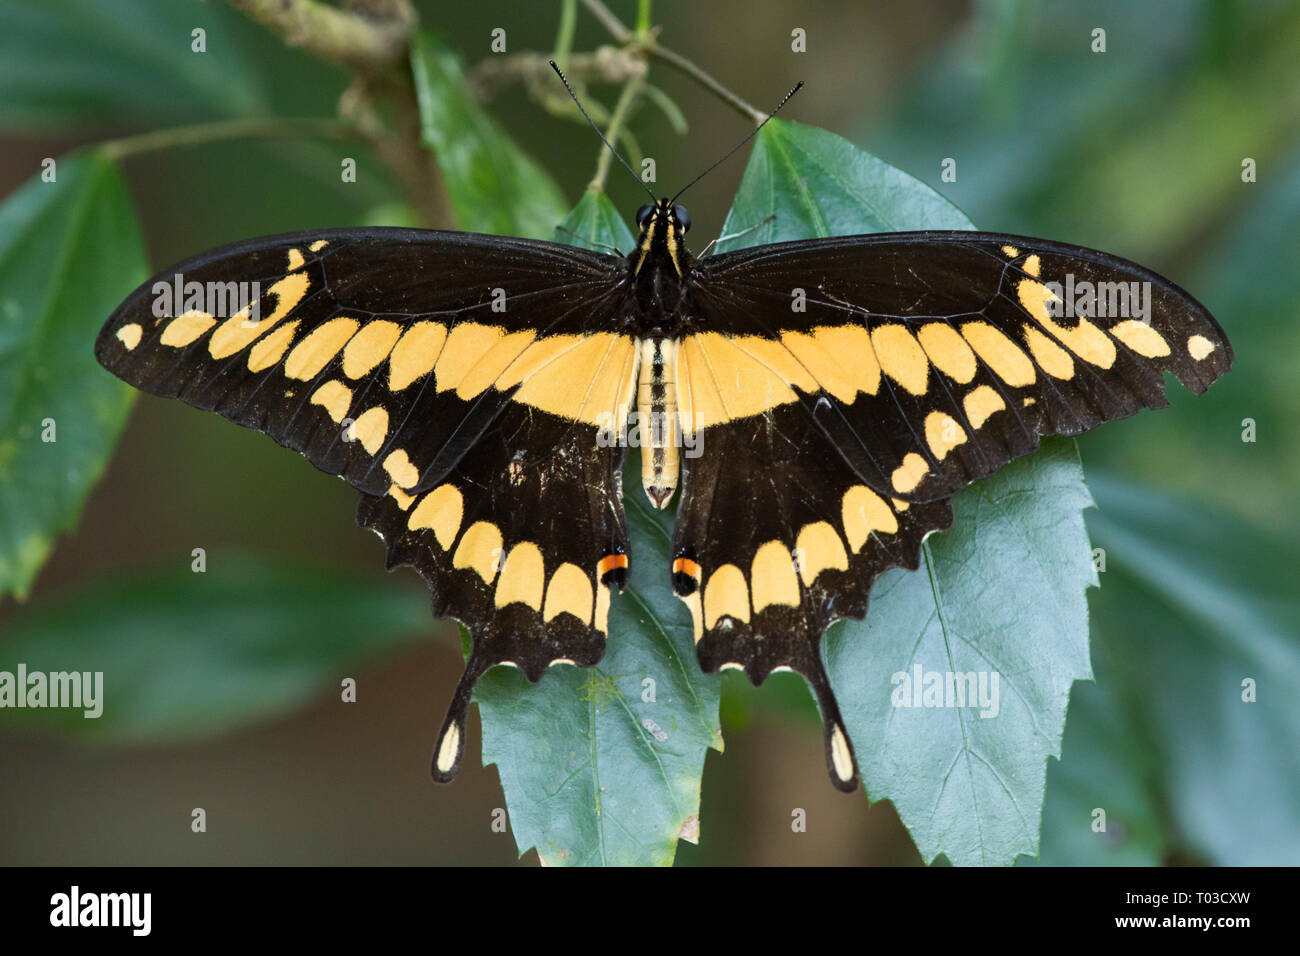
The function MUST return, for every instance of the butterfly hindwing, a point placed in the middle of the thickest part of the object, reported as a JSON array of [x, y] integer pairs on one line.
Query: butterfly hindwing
[[776, 538], [522, 541], [932, 359]]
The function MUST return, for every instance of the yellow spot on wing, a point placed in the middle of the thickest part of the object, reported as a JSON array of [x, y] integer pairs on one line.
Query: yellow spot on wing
[[239, 331], [841, 755], [442, 510], [1198, 347], [1053, 359], [901, 357], [569, 592], [843, 375], [999, 353], [319, 347], [479, 550], [492, 363], [336, 399], [942, 434], [819, 549], [465, 344], [129, 335], [1032, 266], [948, 351], [1141, 338], [601, 619], [415, 354], [852, 346], [863, 512], [981, 403], [185, 328], [726, 594], [400, 469], [909, 474], [772, 577], [318, 245], [295, 260], [695, 605], [448, 748], [773, 354], [726, 381], [403, 500], [523, 576], [1085, 340], [1010, 251], [272, 348], [369, 347], [591, 380], [371, 428]]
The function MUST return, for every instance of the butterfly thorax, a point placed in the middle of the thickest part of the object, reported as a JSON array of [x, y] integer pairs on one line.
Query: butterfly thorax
[[658, 270]]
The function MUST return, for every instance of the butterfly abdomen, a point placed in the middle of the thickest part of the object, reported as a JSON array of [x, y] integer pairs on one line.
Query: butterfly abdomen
[[657, 420]]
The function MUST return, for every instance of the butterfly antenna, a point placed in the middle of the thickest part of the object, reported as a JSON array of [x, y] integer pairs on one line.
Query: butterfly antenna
[[786, 99], [616, 153]]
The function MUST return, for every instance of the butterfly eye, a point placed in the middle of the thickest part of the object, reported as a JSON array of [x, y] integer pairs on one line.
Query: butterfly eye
[[683, 217], [643, 214]]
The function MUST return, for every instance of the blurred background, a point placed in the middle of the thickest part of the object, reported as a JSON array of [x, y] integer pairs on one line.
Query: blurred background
[[1137, 150]]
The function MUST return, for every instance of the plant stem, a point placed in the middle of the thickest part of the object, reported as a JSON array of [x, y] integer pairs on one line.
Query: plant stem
[[201, 133], [643, 20], [645, 42], [611, 23], [375, 47], [564, 35], [621, 110], [680, 62], [363, 44]]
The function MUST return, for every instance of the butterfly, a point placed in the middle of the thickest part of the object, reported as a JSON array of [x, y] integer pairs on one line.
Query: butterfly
[[811, 406]]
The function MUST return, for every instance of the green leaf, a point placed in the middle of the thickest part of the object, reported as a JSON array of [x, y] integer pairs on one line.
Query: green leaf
[[70, 251], [1000, 593], [802, 182], [186, 655], [599, 766], [596, 224], [64, 63], [1106, 761], [1194, 604], [494, 186]]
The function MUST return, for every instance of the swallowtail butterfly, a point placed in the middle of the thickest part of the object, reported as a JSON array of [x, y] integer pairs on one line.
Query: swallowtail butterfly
[[468, 385]]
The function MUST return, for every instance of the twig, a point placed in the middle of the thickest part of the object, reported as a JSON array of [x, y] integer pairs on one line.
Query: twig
[[621, 110], [200, 133], [368, 44], [372, 40], [623, 35], [680, 62]]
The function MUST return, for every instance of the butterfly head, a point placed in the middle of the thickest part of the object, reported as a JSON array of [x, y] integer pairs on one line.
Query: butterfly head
[[663, 226]]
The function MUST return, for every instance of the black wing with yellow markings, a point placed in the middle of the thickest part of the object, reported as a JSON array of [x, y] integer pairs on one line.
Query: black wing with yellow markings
[[831, 397], [457, 381], [841, 390]]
